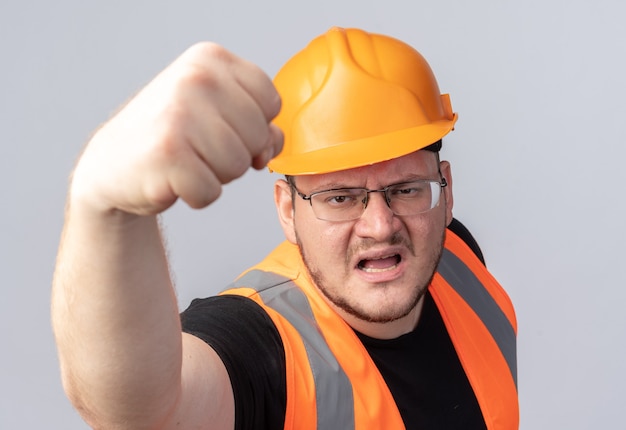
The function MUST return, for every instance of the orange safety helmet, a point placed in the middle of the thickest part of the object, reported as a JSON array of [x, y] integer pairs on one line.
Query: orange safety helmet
[[351, 99]]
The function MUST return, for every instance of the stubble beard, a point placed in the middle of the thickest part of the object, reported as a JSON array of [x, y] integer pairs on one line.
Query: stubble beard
[[397, 313]]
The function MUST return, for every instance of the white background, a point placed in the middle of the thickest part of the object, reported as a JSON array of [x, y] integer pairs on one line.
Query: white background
[[537, 157]]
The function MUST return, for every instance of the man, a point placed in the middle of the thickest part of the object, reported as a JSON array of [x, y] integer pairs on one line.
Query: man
[[371, 315]]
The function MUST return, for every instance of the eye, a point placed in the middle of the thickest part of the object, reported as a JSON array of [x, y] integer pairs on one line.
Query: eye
[[339, 199], [408, 191]]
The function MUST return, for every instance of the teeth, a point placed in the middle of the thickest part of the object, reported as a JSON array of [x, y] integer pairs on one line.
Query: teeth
[[373, 270], [377, 265]]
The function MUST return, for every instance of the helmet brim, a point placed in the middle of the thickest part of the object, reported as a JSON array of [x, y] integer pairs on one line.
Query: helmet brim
[[362, 152]]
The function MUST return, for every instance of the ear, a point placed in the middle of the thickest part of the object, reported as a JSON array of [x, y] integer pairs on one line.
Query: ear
[[446, 172], [285, 209]]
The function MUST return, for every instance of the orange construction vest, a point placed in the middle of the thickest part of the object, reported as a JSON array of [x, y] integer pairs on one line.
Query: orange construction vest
[[332, 382]]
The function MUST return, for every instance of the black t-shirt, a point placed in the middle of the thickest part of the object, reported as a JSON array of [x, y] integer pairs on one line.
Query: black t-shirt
[[421, 368], [425, 376]]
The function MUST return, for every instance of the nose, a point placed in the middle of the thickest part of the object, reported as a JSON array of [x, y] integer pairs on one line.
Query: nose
[[377, 221]]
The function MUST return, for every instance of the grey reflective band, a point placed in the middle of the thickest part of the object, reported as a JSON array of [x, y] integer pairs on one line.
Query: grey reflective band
[[462, 279], [333, 390]]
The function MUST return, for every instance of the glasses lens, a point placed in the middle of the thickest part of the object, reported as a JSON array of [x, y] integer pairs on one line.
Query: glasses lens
[[339, 205], [409, 198], [412, 198]]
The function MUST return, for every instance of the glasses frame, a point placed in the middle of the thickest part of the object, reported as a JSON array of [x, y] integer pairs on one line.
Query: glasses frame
[[442, 184]]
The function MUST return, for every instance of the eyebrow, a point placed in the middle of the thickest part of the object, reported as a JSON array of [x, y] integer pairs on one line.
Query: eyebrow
[[340, 185]]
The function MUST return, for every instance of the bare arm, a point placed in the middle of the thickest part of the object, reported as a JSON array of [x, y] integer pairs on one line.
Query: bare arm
[[125, 364]]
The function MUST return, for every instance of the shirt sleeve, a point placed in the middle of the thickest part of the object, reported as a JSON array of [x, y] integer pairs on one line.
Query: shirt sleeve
[[247, 341]]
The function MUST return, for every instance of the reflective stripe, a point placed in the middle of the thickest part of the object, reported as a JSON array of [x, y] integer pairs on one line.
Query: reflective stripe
[[333, 390], [466, 284]]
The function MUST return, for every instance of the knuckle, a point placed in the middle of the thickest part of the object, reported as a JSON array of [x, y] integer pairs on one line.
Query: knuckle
[[260, 140], [278, 138], [197, 76], [209, 50], [238, 164], [204, 199], [202, 65], [170, 142], [158, 195], [275, 104]]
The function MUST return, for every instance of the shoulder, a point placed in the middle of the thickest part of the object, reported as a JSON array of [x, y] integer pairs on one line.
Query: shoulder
[[464, 234], [248, 343], [234, 326], [203, 314]]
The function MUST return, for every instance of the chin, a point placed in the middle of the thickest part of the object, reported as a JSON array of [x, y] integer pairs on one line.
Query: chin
[[380, 308]]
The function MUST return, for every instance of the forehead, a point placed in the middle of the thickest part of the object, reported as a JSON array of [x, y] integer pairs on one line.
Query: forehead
[[416, 165]]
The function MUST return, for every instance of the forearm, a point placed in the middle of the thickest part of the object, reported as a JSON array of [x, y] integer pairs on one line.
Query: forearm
[[199, 124], [115, 318]]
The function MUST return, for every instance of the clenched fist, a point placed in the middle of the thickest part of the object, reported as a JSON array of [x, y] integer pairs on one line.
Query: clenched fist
[[201, 123]]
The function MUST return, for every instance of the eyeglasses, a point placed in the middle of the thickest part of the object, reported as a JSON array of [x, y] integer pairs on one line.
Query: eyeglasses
[[346, 204]]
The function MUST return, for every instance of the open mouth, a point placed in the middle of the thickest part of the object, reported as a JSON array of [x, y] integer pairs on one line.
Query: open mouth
[[380, 264]]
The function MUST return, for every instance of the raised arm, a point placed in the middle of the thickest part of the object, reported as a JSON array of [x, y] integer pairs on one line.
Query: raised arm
[[199, 124]]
